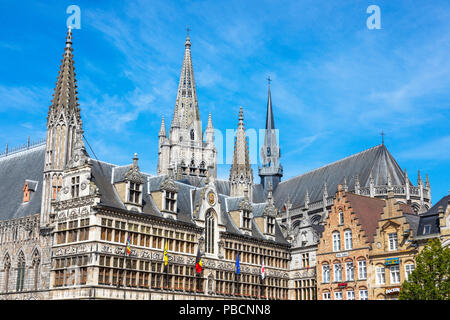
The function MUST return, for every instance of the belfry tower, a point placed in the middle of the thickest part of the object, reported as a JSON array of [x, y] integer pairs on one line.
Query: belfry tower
[[184, 150], [271, 170], [64, 130]]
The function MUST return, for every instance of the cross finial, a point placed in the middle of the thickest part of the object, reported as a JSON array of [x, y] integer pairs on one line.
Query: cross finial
[[269, 80], [187, 29], [382, 137]]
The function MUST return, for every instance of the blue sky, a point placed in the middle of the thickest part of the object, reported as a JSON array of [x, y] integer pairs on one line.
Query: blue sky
[[336, 84]]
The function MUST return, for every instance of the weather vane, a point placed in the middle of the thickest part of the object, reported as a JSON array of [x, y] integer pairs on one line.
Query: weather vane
[[268, 80]]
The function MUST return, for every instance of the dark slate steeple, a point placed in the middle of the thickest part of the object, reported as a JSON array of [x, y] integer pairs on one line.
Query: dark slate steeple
[[271, 170]]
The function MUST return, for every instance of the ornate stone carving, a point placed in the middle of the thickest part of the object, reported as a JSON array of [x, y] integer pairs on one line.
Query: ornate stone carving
[[168, 184]]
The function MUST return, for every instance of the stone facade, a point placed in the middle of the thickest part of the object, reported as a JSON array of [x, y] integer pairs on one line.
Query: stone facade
[[74, 227], [393, 249]]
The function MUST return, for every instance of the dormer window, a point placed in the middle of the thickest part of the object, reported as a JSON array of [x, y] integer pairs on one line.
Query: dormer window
[[134, 193], [202, 169], [26, 193], [170, 201], [192, 168], [75, 187], [246, 219], [270, 225]]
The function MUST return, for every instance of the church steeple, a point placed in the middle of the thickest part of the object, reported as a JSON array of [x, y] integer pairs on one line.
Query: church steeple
[[271, 170], [241, 173], [64, 130]]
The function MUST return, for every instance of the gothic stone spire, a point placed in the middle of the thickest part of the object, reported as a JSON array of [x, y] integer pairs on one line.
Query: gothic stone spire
[[64, 130], [65, 98], [241, 173], [186, 113]]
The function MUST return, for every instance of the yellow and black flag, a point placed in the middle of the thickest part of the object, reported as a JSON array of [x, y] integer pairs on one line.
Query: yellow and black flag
[[166, 259], [198, 262]]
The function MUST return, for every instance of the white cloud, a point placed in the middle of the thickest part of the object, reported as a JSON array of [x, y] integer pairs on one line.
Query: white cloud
[[436, 149], [33, 99]]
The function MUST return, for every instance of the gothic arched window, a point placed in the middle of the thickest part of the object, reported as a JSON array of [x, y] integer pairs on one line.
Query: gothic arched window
[[36, 267], [192, 134], [6, 269], [209, 232], [20, 271]]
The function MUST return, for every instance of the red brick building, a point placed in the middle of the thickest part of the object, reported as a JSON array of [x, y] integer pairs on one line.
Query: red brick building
[[343, 250]]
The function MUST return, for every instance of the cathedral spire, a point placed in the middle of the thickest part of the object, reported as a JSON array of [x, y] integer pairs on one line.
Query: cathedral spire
[[270, 124], [271, 169]]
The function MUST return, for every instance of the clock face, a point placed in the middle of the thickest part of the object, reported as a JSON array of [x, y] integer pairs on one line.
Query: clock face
[[211, 199]]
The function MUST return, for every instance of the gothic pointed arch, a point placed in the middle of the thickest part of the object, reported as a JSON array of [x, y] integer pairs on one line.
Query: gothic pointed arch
[[36, 265], [210, 229], [20, 271], [6, 271]]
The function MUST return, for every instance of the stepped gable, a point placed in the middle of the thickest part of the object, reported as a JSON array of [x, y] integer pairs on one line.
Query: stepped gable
[[368, 210]]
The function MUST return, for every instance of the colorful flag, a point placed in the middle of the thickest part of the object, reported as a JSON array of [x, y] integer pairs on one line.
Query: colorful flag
[[263, 270], [238, 267], [128, 245], [166, 259], [198, 262]]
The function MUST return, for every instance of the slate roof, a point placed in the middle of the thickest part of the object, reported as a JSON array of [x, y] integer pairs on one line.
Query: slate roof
[[443, 202], [14, 170], [431, 219], [413, 221], [377, 160], [368, 210]]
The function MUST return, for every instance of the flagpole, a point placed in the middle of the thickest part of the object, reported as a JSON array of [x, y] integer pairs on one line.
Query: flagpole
[[125, 259]]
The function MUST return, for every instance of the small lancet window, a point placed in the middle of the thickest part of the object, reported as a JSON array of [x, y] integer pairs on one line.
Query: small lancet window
[[270, 225]]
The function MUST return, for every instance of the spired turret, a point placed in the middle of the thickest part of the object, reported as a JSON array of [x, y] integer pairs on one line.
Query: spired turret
[[241, 173]]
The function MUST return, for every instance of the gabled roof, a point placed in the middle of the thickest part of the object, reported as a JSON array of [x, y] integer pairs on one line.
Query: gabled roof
[[368, 210], [429, 221], [15, 169], [377, 160], [442, 202]]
